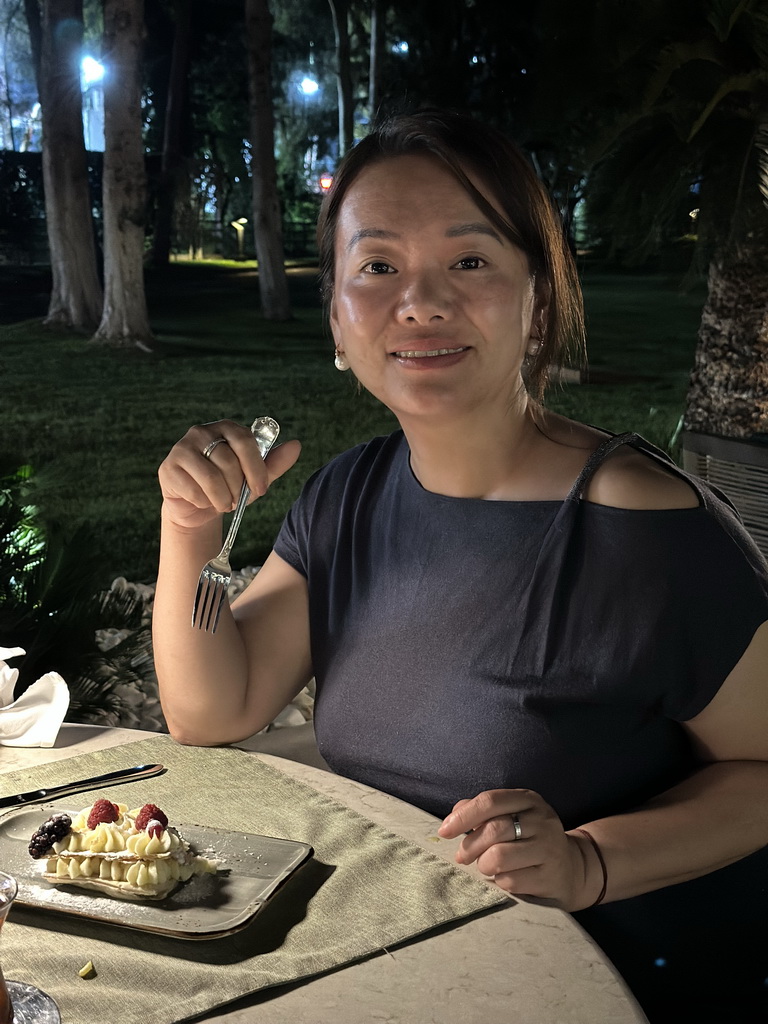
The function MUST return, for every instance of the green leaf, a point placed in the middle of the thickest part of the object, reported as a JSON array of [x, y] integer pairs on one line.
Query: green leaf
[[736, 83]]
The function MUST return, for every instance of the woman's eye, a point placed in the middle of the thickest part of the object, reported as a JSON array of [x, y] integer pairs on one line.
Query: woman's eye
[[378, 267], [470, 263]]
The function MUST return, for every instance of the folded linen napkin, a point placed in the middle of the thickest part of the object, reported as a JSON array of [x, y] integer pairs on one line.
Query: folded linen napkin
[[35, 718]]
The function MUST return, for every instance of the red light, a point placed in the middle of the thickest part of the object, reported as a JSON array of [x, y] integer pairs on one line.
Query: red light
[[326, 181]]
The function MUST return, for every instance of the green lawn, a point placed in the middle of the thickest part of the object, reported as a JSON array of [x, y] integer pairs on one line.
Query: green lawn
[[94, 424], [641, 335]]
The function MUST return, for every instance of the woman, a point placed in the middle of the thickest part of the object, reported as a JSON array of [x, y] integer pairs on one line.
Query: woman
[[553, 639]]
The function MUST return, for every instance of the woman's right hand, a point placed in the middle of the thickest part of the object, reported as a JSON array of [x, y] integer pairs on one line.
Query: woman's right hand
[[197, 489]]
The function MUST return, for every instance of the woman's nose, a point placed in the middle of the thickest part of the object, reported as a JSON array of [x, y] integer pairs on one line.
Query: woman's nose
[[425, 297]]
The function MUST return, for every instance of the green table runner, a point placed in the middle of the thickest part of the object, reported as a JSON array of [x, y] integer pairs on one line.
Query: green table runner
[[365, 889]]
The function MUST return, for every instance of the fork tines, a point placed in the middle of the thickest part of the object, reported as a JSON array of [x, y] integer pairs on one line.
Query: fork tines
[[209, 600]]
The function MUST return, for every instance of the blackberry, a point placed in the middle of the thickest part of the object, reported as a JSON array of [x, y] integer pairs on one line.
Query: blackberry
[[50, 832]]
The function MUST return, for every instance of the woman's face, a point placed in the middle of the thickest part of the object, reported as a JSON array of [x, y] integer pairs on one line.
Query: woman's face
[[432, 306]]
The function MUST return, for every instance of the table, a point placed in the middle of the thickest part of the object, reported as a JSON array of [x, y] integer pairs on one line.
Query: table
[[521, 963]]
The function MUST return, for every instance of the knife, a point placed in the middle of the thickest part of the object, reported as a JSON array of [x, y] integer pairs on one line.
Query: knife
[[35, 796]]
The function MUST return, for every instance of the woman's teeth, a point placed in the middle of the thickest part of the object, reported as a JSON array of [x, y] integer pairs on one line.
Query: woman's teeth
[[411, 354]]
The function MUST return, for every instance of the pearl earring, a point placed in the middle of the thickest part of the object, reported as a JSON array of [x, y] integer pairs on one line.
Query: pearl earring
[[533, 347], [341, 362]]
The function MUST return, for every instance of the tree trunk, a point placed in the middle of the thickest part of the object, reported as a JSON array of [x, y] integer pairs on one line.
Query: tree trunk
[[374, 64], [76, 294], [339, 12], [35, 28], [267, 220], [174, 108], [728, 393], [124, 321]]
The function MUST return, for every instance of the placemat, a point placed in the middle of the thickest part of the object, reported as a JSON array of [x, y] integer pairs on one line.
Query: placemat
[[364, 890]]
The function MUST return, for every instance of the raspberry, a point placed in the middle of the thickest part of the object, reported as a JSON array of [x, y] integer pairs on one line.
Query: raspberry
[[103, 810], [50, 832], [150, 813], [155, 828]]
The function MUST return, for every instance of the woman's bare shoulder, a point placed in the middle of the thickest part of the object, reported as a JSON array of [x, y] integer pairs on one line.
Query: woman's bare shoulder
[[629, 479]]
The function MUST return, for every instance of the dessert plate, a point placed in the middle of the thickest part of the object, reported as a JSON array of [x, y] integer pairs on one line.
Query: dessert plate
[[252, 869]]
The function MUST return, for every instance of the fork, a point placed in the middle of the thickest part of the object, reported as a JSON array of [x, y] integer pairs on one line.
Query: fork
[[216, 575]]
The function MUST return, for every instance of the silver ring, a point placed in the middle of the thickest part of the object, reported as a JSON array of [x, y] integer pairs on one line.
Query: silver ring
[[208, 450], [518, 828]]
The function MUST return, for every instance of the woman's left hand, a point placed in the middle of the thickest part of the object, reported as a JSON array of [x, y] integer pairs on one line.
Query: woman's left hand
[[540, 860]]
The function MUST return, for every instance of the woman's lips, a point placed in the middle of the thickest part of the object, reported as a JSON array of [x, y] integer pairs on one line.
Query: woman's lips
[[428, 353]]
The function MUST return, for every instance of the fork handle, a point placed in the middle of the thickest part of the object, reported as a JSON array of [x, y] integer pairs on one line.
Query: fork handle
[[234, 526], [265, 431]]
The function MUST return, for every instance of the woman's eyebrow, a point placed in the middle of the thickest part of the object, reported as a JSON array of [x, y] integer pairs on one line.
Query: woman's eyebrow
[[369, 233], [475, 228], [471, 228]]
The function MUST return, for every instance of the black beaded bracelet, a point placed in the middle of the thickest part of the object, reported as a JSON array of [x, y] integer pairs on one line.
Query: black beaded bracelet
[[600, 857]]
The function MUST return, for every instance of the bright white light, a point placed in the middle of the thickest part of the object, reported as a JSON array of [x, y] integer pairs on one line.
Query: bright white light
[[400, 48], [91, 70], [309, 86]]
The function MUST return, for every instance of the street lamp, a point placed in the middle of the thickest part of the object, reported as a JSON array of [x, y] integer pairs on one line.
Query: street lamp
[[91, 70], [239, 226], [92, 74]]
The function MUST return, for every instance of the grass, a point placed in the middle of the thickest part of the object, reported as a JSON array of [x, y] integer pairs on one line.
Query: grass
[[641, 334], [94, 424]]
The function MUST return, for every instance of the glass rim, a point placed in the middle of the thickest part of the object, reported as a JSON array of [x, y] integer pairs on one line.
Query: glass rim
[[11, 889]]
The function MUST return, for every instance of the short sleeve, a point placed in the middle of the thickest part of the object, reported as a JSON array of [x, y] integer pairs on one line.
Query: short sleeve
[[292, 540], [721, 585], [307, 536]]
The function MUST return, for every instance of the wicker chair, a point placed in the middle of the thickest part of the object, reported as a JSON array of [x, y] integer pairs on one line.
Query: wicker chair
[[740, 468]]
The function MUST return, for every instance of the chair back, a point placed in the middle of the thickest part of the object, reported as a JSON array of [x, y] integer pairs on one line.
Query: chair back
[[740, 469]]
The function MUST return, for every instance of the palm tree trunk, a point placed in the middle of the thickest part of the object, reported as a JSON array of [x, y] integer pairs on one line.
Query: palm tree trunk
[[728, 393]]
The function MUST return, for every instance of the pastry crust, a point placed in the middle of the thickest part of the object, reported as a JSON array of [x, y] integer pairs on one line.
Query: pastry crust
[[120, 890]]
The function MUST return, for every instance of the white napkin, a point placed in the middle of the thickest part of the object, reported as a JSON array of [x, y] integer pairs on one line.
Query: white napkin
[[35, 718]]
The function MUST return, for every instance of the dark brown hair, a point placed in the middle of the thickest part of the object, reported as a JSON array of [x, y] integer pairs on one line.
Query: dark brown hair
[[529, 220]]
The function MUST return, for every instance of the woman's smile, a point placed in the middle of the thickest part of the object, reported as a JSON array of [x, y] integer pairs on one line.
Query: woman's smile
[[413, 354], [420, 361]]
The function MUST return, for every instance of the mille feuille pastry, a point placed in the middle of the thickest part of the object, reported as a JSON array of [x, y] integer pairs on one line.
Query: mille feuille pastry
[[133, 855]]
